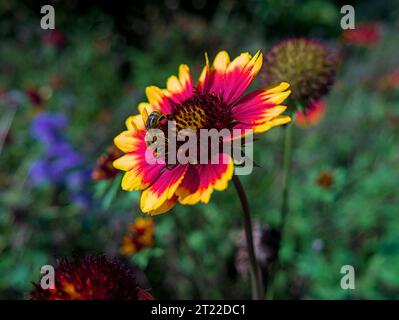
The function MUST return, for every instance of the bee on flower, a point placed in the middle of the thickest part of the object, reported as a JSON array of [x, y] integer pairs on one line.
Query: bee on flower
[[218, 101]]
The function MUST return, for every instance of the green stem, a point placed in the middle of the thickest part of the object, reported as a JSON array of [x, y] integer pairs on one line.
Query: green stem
[[286, 175], [287, 161], [256, 274]]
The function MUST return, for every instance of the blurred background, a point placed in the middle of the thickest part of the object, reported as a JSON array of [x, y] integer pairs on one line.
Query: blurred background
[[64, 96]]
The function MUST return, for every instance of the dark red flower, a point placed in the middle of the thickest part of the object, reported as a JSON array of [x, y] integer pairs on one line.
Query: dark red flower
[[92, 278], [103, 169], [34, 96], [55, 38]]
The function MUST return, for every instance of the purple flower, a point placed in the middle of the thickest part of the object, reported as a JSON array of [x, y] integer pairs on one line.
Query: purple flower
[[82, 198], [60, 149], [76, 180], [47, 127], [62, 165], [39, 172]]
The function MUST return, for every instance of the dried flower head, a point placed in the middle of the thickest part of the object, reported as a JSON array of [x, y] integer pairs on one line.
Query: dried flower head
[[307, 65], [92, 278], [266, 244]]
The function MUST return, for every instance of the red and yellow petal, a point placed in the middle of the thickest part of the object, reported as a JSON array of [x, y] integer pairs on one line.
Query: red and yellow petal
[[189, 184], [178, 90], [162, 189], [240, 74], [165, 207], [216, 75], [202, 179], [312, 116], [133, 181], [204, 79], [146, 107], [231, 79], [221, 62], [185, 77], [140, 171], [135, 123], [139, 174], [181, 88], [159, 99], [128, 141], [261, 109], [278, 121]]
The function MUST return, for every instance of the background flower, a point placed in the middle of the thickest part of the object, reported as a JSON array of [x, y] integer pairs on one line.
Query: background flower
[[364, 34], [103, 168], [140, 236], [306, 64], [92, 278], [59, 163], [312, 115], [54, 38], [325, 179], [266, 244]]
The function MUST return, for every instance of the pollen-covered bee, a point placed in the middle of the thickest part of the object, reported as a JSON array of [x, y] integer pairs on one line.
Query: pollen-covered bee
[[154, 120]]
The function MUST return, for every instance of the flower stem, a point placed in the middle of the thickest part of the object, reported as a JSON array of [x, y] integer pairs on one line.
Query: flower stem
[[286, 175], [256, 274], [284, 204]]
